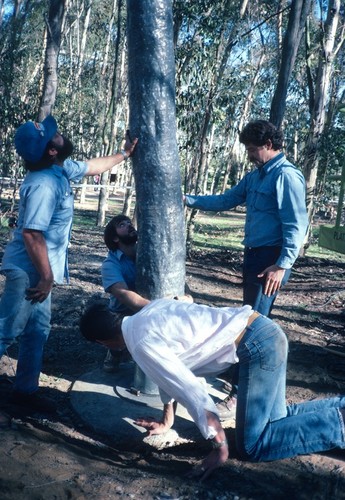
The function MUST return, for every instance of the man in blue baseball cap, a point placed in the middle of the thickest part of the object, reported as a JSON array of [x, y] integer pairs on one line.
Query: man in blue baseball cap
[[36, 257], [32, 138]]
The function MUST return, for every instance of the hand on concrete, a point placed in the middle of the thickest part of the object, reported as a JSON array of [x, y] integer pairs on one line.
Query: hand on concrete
[[152, 425]]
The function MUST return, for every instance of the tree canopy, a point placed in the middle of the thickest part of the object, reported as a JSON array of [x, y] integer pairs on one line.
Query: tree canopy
[[231, 59]]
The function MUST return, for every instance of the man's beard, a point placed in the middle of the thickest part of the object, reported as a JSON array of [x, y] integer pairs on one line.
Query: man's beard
[[65, 150], [129, 239]]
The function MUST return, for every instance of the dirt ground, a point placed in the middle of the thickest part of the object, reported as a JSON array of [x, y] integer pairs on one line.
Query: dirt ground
[[61, 458]]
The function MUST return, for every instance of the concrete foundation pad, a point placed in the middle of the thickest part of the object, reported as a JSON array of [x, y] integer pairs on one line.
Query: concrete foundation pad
[[105, 403]]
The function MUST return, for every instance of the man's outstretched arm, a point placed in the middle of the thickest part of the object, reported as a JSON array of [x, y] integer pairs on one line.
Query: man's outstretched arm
[[159, 426]]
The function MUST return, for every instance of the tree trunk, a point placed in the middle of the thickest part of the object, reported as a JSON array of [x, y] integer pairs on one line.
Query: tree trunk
[[109, 128], [127, 202], [322, 86], [151, 67], [297, 18], [228, 41], [235, 152], [54, 24]]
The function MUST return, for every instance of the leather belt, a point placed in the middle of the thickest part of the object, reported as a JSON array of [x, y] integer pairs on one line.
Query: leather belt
[[251, 318]]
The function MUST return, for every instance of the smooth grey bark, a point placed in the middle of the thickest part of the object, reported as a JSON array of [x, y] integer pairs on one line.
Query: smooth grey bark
[[159, 208], [297, 19], [54, 24]]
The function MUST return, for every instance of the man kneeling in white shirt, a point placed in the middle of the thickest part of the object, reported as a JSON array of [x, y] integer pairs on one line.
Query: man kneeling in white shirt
[[175, 342]]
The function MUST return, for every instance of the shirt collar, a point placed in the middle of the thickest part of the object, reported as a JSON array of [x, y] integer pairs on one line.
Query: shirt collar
[[274, 162], [58, 171], [118, 253]]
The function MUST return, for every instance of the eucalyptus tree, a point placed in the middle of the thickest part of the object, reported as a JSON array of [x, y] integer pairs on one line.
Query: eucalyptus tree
[[93, 100], [205, 40], [205, 34], [54, 31], [151, 67], [332, 36], [21, 59], [299, 11], [229, 55], [116, 106], [160, 257]]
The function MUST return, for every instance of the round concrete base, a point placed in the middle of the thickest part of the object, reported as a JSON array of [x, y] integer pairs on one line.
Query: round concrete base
[[106, 403]]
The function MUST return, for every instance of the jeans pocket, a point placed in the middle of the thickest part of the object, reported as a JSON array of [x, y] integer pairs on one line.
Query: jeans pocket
[[272, 350], [267, 344]]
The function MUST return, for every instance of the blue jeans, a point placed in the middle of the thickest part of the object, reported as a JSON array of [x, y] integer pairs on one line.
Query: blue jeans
[[266, 429], [255, 261], [29, 323]]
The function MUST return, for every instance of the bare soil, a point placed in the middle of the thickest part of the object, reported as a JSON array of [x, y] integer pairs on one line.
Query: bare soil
[[61, 458]]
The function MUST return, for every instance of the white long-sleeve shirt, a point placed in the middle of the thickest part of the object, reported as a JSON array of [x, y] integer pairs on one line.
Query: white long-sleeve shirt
[[174, 342]]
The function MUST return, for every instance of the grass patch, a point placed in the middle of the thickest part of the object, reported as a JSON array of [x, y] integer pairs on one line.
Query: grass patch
[[226, 231], [216, 232], [84, 218]]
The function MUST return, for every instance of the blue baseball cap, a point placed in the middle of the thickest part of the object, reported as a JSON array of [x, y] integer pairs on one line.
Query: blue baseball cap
[[31, 138]]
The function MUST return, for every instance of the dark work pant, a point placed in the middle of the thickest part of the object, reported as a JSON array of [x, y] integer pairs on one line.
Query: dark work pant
[[255, 261]]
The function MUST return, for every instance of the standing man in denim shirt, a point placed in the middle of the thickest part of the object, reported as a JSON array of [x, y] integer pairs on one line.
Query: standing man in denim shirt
[[276, 218], [37, 255]]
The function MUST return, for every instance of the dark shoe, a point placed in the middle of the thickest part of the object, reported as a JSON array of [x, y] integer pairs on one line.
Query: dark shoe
[[34, 402], [227, 408], [113, 360], [111, 363]]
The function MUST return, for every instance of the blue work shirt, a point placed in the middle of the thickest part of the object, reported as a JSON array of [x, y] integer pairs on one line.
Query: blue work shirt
[[274, 195], [45, 205], [118, 267]]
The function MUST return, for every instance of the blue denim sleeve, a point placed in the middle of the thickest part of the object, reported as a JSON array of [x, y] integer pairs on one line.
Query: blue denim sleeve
[[290, 188], [75, 169], [220, 202], [111, 271], [40, 203]]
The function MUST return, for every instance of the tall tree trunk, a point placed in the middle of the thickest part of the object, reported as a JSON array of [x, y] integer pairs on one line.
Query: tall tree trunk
[[127, 202], [151, 68], [54, 24], [234, 154], [225, 47], [159, 210], [110, 119], [322, 91], [297, 18]]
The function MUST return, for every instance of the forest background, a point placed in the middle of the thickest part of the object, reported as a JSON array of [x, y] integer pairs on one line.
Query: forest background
[[235, 61]]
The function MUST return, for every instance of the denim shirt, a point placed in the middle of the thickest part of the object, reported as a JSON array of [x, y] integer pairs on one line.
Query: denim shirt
[[276, 215], [115, 268], [46, 205]]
